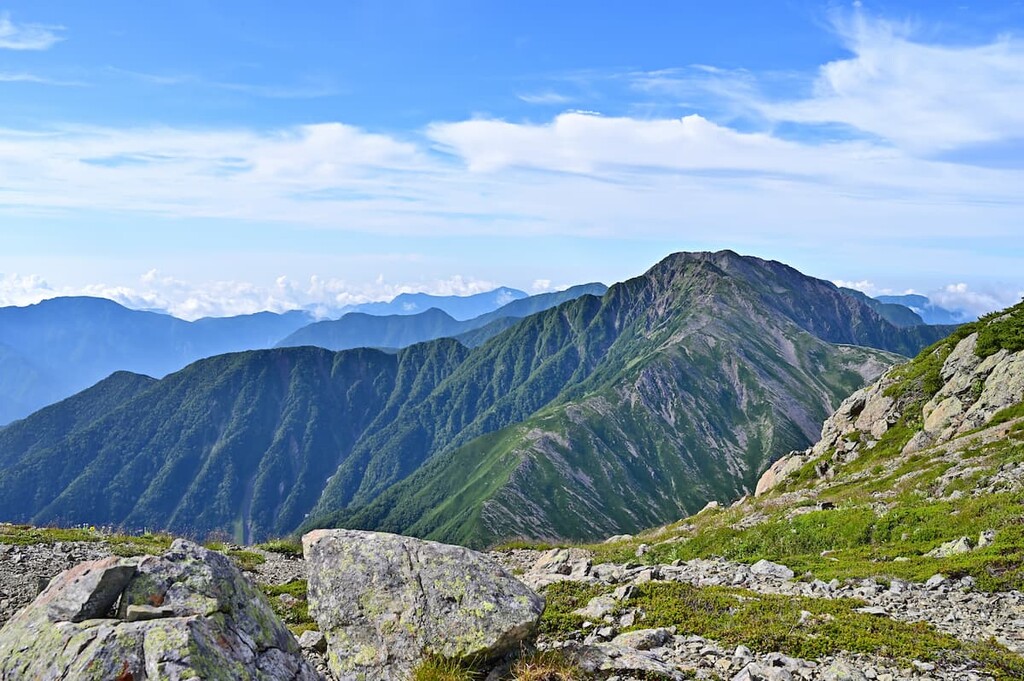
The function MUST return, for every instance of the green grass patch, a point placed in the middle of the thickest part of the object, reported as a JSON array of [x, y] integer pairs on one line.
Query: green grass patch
[[120, 544], [862, 544], [149, 543], [1001, 331], [548, 665], [1008, 414], [562, 598], [437, 668], [809, 628], [246, 560], [293, 613], [26, 534], [286, 547]]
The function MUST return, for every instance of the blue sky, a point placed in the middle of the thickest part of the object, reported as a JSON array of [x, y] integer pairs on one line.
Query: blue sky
[[222, 157]]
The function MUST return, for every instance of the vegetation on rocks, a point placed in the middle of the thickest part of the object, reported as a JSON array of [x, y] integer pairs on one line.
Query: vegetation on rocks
[[293, 609]]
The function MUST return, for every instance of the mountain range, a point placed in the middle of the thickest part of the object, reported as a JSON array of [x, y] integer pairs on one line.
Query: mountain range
[[58, 347], [363, 329], [601, 414]]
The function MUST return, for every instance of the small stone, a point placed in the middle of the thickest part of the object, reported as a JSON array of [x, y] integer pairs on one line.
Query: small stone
[[766, 568], [952, 548], [935, 581], [642, 550], [923, 666], [986, 538], [597, 608], [643, 639], [624, 593], [644, 576], [875, 610], [313, 640], [86, 591], [143, 613]]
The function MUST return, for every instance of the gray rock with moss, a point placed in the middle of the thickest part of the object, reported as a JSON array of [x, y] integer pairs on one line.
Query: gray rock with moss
[[384, 602], [203, 619]]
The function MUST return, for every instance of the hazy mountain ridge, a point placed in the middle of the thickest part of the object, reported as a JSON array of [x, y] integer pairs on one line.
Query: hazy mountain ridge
[[362, 329], [70, 343], [894, 313], [53, 349], [927, 310], [457, 307]]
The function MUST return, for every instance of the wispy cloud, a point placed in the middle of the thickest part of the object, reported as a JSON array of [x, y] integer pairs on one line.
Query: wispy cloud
[[548, 97], [311, 88], [9, 77], [921, 97], [15, 36]]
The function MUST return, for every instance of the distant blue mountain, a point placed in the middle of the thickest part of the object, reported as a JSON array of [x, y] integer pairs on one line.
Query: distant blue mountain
[[58, 347], [61, 346], [928, 311], [361, 329], [460, 308]]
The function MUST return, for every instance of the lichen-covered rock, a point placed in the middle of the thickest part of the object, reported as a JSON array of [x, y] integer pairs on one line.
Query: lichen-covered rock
[[193, 615], [385, 601]]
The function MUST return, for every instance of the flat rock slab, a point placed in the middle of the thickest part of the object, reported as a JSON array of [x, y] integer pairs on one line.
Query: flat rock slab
[[384, 601]]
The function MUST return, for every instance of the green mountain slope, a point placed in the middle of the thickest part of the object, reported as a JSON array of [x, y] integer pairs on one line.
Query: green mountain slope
[[687, 406], [644, 383], [239, 443]]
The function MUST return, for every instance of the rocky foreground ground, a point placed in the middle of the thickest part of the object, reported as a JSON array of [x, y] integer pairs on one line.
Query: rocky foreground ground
[[607, 636]]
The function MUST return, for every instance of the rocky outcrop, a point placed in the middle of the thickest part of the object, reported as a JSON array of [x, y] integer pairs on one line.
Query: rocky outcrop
[[778, 472], [385, 601], [973, 389], [188, 613]]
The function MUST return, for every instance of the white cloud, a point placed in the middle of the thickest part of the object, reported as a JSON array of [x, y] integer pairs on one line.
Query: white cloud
[[325, 297], [541, 285], [864, 286], [921, 97], [27, 36], [961, 296], [958, 297]]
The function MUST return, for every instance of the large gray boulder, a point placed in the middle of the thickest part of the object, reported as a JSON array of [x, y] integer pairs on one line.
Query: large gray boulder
[[187, 614], [385, 601]]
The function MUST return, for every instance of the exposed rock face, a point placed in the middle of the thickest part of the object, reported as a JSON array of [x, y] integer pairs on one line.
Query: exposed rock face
[[778, 472], [189, 613], [384, 601], [973, 390]]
